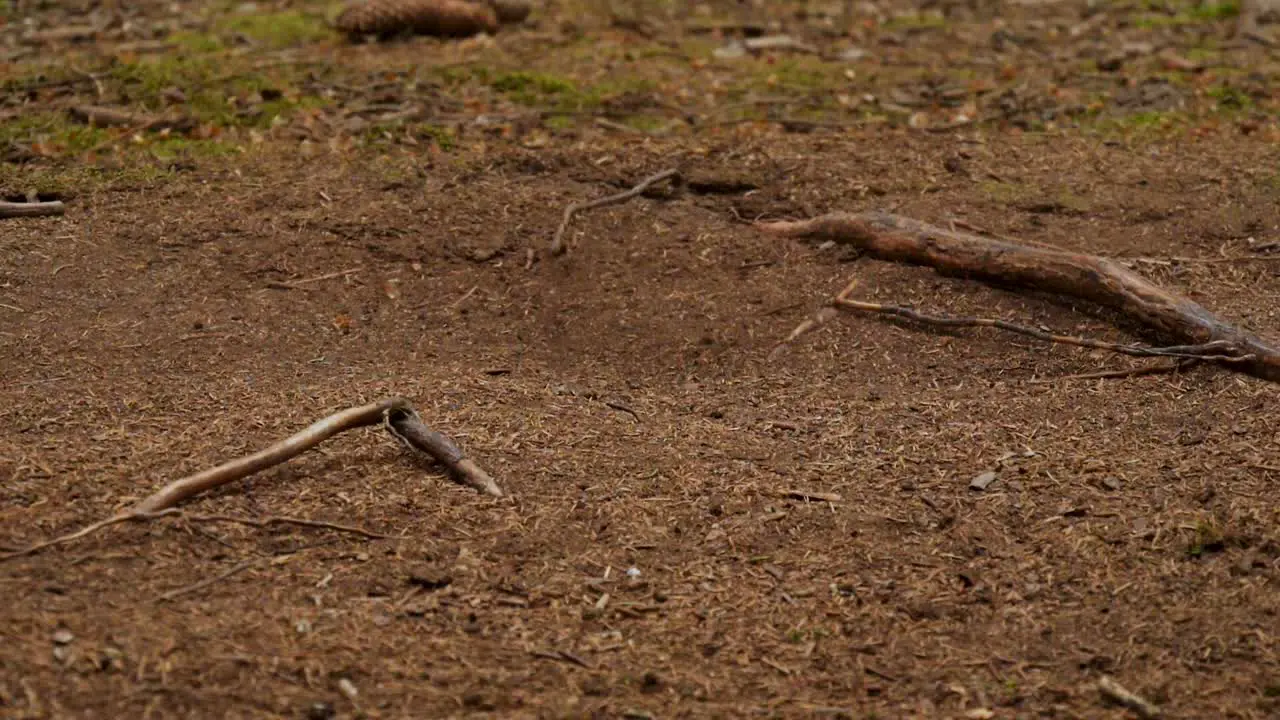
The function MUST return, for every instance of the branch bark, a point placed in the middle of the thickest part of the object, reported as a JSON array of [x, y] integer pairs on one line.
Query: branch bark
[[31, 209], [1100, 280]]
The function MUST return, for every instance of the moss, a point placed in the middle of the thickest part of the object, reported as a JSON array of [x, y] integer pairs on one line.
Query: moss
[[528, 88], [172, 148], [1227, 97], [56, 133], [278, 30], [1208, 538]]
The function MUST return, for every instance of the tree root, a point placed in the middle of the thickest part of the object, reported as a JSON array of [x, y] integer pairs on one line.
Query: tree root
[[1204, 336]]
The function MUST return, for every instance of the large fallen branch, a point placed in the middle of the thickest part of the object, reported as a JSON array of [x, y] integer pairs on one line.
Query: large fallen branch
[[395, 413], [898, 239], [31, 209]]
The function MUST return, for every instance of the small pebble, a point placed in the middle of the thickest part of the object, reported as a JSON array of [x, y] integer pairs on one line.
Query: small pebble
[[348, 689]]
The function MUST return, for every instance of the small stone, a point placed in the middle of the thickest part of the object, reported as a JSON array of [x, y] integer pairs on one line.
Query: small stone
[[348, 689], [732, 51], [63, 636], [320, 711], [853, 54], [982, 481], [1110, 483]]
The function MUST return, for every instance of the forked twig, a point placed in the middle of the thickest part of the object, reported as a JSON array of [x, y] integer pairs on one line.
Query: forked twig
[[396, 413], [557, 241], [813, 322]]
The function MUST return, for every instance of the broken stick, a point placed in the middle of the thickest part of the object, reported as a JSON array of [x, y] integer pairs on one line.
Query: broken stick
[[396, 413], [885, 236], [557, 242], [31, 209]]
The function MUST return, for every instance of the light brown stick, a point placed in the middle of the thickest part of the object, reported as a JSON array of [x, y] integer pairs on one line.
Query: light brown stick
[[396, 413], [1119, 694], [296, 444], [31, 209], [898, 239], [557, 242]]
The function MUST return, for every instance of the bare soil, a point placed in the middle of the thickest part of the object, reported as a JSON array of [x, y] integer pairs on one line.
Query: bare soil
[[656, 557]]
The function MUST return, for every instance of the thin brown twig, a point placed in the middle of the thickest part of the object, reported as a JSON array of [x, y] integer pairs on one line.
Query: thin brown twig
[[557, 241], [275, 520], [128, 516], [295, 284], [240, 567], [1115, 374], [1210, 351]]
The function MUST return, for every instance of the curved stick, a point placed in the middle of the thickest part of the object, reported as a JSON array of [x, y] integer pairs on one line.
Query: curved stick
[[296, 444], [885, 236], [396, 413]]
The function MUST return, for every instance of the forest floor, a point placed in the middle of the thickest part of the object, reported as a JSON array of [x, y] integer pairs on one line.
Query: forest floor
[[289, 224]]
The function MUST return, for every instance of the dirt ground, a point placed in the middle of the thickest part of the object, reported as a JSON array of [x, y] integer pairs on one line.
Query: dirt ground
[[345, 222]]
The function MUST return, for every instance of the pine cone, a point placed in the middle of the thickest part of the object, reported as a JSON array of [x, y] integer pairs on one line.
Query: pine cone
[[446, 18], [511, 11]]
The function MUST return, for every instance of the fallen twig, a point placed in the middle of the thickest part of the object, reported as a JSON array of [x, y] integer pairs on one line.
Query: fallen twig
[[557, 242], [296, 444], [813, 322], [1108, 283], [1114, 374], [31, 209], [406, 426], [1119, 694], [810, 496], [208, 581], [396, 413], [1211, 351], [295, 284]]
